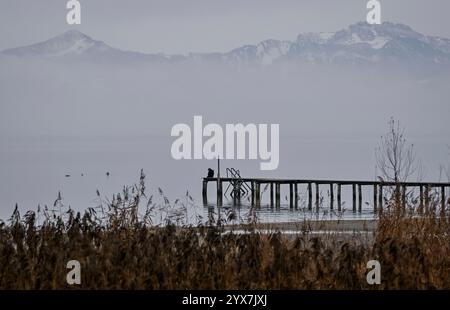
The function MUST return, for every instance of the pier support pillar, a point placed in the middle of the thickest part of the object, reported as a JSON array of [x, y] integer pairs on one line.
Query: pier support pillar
[[397, 195], [317, 197], [354, 197], [442, 200], [291, 195], [339, 201], [252, 186], [258, 193], [205, 192], [421, 203], [309, 196], [403, 197], [296, 196], [380, 199], [271, 194], [375, 198], [277, 194], [331, 197], [219, 193], [359, 198]]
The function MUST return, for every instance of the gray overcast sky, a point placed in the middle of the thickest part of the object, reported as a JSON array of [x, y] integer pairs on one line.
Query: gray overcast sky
[[182, 26]]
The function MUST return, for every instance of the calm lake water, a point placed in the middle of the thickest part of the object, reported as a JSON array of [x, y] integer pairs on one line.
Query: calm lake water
[[34, 170]]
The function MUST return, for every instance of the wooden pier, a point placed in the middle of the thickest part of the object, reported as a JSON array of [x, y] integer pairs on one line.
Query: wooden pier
[[399, 188]]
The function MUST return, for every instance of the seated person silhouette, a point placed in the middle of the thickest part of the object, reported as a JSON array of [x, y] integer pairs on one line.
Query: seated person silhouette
[[210, 173]]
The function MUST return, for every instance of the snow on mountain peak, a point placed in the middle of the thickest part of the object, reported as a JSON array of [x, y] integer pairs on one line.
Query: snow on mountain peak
[[376, 36], [74, 35], [72, 42]]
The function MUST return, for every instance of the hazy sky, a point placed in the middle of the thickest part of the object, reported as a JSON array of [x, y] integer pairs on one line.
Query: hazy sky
[[182, 26]]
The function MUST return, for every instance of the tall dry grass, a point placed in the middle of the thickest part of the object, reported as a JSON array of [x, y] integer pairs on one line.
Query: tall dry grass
[[118, 249]]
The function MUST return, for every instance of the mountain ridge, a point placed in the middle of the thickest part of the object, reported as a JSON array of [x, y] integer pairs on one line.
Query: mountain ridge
[[359, 43]]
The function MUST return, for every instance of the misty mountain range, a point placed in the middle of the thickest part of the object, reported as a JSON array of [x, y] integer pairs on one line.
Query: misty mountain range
[[360, 43]]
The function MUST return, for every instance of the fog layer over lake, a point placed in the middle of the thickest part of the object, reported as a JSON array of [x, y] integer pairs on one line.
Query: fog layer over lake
[[64, 126]]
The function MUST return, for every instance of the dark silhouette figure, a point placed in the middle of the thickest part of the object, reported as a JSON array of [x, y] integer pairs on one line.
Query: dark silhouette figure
[[210, 173]]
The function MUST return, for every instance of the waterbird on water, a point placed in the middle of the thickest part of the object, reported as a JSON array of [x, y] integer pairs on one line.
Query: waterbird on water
[[107, 174]]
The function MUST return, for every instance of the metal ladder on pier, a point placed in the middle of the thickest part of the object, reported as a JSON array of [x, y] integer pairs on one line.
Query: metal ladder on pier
[[238, 187]]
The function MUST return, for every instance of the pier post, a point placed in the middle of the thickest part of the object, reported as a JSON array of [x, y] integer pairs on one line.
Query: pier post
[[237, 194], [219, 185], [205, 192], [296, 196], [443, 200], [380, 198], [271, 194], [421, 199], [359, 198], [354, 197], [291, 195], [427, 198], [317, 197], [253, 192], [397, 195], [403, 197], [235, 200], [219, 193], [258, 194], [375, 189], [277, 194], [339, 198], [309, 196], [331, 196]]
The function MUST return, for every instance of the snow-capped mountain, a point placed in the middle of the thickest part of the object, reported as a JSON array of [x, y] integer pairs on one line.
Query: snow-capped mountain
[[74, 45], [360, 43], [264, 53], [364, 43], [70, 43]]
